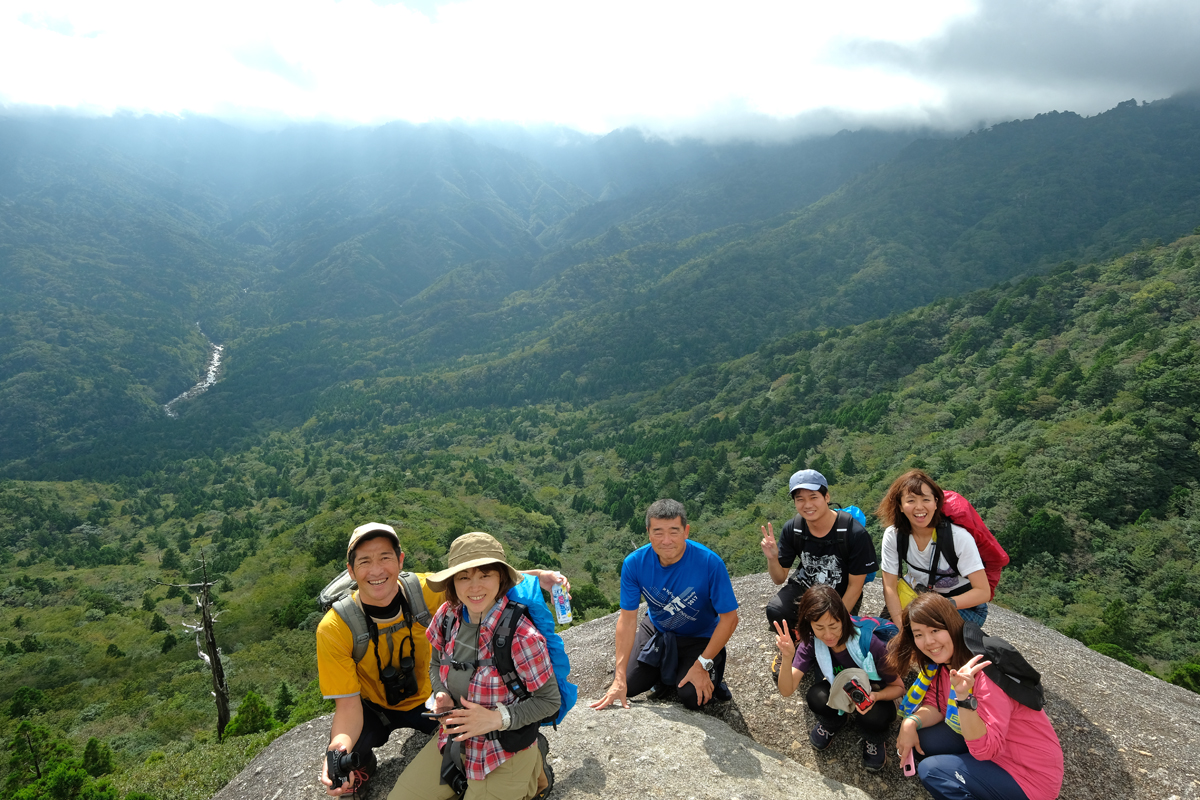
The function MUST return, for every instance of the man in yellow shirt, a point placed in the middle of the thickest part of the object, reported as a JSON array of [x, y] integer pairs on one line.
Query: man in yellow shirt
[[386, 687], [369, 707]]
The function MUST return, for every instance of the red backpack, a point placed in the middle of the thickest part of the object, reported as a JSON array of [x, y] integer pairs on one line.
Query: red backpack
[[960, 511]]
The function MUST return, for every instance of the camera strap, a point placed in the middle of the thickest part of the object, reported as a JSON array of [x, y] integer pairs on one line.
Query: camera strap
[[406, 623], [392, 647]]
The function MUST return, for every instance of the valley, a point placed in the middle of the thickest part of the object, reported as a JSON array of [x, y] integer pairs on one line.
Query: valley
[[423, 327]]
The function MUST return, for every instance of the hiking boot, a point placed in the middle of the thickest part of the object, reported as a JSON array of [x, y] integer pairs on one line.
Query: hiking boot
[[369, 764], [821, 736], [660, 691], [547, 774], [874, 756], [721, 692], [364, 772]]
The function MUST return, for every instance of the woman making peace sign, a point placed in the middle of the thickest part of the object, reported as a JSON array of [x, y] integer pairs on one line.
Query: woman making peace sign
[[976, 742]]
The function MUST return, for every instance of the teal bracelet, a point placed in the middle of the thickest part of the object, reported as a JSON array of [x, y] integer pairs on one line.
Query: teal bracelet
[[915, 719]]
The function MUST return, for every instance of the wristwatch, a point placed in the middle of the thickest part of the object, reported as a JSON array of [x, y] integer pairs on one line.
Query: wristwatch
[[707, 663], [970, 701]]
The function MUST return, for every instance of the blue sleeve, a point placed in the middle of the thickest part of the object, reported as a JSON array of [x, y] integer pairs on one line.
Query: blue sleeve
[[631, 587], [723, 599]]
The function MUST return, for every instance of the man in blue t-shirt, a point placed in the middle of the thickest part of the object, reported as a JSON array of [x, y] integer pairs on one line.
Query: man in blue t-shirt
[[681, 642]]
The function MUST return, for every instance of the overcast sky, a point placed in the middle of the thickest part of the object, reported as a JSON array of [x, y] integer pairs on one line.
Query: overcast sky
[[762, 67]]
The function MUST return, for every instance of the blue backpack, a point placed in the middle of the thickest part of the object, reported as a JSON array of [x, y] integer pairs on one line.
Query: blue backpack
[[874, 626], [529, 593]]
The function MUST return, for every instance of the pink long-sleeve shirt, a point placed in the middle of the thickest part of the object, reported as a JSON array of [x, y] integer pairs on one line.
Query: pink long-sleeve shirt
[[1018, 739]]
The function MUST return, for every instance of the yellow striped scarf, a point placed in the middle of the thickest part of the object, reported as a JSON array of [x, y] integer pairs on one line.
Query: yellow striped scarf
[[916, 694]]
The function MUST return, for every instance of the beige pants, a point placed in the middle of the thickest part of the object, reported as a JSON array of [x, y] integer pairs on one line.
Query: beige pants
[[515, 779]]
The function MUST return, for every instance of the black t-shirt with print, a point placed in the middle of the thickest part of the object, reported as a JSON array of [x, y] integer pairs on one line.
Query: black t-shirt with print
[[821, 560]]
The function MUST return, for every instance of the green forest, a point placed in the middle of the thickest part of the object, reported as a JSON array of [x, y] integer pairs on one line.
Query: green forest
[[547, 391]]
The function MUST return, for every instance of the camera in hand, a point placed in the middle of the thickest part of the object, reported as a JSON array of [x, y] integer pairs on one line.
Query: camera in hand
[[399, 683], [858, 695], [340, 764]]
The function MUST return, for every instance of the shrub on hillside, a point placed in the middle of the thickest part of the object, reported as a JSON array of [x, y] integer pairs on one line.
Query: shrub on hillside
[[253, 716], [1121, 654]]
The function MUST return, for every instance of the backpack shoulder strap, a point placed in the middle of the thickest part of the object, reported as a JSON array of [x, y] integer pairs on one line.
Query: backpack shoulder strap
[[356, 620], [943, 547], [946, 545], [841, 528], [799, 532], [502, 640], [416, 598], [447, 659]]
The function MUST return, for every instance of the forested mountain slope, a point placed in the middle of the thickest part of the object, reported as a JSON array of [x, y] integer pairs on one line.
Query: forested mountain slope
[[941, 218], [319, 256], [1063, 405], [120, 234]]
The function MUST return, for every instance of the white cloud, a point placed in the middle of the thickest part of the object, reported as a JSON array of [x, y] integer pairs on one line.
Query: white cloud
[[592, 64]]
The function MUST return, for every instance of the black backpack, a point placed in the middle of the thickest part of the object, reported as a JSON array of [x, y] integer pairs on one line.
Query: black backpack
[[512, 740], [1009, 670], [942, 548]]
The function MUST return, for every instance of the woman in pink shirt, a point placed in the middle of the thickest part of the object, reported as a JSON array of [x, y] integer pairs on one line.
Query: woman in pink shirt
[[974, 742]]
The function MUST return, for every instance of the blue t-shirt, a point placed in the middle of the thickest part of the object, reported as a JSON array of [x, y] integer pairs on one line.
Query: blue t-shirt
[[685, 598]]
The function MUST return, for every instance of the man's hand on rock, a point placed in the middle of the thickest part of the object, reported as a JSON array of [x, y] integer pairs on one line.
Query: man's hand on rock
[[615, 694]]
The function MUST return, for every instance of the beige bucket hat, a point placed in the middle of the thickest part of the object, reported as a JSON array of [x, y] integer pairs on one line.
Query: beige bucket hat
[[472, 550]]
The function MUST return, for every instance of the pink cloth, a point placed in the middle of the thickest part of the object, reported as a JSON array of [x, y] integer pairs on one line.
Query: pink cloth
[[1019, 740]]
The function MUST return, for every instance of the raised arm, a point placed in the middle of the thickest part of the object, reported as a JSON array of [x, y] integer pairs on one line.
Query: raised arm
[[789, 676], [770, 549]]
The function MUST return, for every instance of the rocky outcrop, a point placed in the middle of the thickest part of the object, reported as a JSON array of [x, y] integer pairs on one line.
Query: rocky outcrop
[[1124, 734]]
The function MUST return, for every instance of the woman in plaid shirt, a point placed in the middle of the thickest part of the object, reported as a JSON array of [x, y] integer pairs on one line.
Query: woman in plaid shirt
[[468, 690]]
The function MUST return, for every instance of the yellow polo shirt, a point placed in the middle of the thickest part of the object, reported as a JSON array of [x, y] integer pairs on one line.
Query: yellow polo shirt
[[341, 677]]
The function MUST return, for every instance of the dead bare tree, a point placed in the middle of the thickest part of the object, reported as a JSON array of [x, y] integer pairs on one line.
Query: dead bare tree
[[207, 649]]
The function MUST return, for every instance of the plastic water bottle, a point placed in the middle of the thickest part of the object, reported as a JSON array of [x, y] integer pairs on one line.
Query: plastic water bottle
[[561, 603]]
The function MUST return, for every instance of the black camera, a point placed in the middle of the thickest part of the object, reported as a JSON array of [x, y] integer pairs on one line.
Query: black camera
[[399, 683], [454, 777], [340, 764]]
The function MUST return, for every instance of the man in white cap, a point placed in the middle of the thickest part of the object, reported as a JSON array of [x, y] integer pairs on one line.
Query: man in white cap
[[833, 548]]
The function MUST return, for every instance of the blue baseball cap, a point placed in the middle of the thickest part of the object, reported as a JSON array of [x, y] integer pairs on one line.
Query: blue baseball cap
[[807, 479]]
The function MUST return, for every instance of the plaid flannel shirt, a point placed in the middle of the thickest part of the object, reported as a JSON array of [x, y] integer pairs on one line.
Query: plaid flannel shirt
[[531, 658]]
